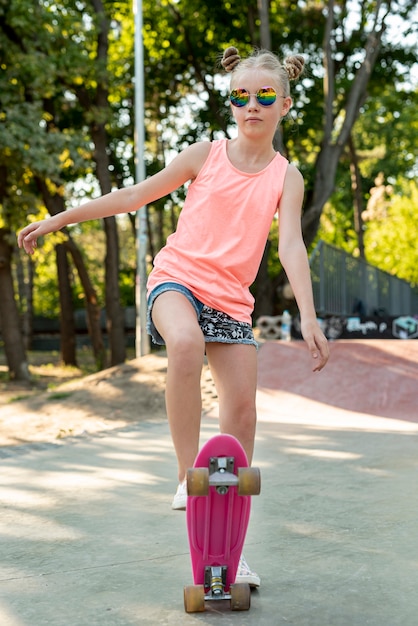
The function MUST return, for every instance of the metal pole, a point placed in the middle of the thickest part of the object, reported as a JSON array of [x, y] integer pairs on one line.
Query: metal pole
[[141, 337]]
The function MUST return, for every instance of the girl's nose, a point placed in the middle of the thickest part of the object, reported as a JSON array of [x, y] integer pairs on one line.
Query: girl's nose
[[253, 102]]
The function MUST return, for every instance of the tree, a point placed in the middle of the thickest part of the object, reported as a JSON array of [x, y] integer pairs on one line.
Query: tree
[[28, 151], [14, 349], [385, 139], [44, 126], [340, 113]]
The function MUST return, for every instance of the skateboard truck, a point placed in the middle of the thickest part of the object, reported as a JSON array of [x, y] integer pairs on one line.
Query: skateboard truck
[[215, 581], [221, 473], [195, 596]]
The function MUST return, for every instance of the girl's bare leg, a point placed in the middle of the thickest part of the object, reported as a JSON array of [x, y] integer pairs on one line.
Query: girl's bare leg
[[176, 321], [234, 371]]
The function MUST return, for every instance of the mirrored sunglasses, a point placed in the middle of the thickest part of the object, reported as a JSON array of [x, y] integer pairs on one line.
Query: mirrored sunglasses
[[265, 96]]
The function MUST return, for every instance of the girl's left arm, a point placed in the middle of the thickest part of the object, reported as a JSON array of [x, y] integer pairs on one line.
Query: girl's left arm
[[294, 258]]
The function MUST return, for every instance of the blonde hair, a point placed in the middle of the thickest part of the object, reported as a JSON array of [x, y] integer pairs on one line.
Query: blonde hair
[[290, 69]]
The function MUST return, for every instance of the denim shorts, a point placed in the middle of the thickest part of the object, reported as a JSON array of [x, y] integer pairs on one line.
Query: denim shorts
[[216, 326]]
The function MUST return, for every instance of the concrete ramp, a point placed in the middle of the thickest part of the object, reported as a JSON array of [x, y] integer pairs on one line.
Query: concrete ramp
[[88, 537], [371, 377]]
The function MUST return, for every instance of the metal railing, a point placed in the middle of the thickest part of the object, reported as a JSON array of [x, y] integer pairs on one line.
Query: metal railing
[[345, 285]]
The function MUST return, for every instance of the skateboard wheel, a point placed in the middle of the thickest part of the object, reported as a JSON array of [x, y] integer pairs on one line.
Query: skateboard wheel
[[198, 481], [240, 597], [194, 598], [249, 481]]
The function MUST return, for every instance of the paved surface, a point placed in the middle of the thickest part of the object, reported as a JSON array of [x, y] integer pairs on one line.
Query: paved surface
[[87, 536]]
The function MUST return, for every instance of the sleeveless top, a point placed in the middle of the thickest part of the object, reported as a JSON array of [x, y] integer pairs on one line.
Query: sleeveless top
[[221, 233]]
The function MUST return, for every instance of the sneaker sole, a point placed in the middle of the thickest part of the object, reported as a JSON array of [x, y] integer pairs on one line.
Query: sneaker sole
[[179, 505], [253, 581]]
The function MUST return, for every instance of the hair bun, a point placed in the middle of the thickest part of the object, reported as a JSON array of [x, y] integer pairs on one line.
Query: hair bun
[[294, 66], [230, 59]]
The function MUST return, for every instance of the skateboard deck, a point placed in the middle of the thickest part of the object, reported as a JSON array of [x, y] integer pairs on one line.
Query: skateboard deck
[[220, 486]]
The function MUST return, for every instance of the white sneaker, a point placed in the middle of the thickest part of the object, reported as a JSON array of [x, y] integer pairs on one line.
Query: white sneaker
[[180, 499], [245, 575]]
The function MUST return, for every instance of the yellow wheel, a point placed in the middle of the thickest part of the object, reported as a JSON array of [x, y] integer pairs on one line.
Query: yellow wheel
[[198, 481], [240, 597], [249, 481], [194, 599]]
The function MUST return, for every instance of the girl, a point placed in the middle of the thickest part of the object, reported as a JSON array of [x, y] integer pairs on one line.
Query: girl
[[198, 291]]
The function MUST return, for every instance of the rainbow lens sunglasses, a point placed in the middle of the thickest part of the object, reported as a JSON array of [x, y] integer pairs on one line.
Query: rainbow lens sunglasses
[[266, 96]]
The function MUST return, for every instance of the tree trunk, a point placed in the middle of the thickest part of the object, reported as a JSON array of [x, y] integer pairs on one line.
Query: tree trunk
[[263, 287], [332, 147], [92, 307], [25, 290], [67, 326], [115, 317], [263, 12], [55, 204], [9, 314], [356, 187], [325, 171]]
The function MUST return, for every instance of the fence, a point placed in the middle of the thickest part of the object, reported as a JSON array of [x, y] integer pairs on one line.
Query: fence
[[345, 285]]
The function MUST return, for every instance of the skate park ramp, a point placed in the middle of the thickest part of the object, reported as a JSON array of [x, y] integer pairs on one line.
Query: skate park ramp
[[374, 378], [88, 537]]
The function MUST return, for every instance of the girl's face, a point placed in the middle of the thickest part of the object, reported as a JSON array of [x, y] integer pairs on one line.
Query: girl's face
[[258, 116]]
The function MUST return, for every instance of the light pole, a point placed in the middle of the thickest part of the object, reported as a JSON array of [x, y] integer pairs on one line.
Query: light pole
[[141, 337]]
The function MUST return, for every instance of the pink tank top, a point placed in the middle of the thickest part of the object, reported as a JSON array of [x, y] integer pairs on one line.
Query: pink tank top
[[221, 233]]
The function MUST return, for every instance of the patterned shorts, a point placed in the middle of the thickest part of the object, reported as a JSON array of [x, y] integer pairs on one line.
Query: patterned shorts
[[216, 326]]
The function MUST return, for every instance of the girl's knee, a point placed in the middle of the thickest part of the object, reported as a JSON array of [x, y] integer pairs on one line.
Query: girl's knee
[[186, 349]]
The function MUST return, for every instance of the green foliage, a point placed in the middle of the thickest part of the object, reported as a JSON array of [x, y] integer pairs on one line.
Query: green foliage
[[391, 236], [35, 142], [387, 134], [49, 75]]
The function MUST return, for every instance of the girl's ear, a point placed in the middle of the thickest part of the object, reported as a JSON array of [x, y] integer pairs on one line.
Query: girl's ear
[[287, 105]]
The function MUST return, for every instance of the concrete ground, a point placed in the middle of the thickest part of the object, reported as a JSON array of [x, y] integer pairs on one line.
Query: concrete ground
[[87, 536]]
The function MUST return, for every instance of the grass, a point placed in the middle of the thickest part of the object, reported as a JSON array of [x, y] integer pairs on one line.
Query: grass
[[60, 395]]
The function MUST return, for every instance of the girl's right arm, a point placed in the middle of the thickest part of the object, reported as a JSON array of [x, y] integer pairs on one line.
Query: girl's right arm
[[185, 166], [295, 262]]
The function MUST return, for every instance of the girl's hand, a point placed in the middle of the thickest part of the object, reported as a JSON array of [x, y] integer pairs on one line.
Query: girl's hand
[[27, 238], [317, 344]]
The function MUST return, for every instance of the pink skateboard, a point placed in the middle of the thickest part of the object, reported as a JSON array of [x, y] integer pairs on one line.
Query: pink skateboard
[[219, 486]]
